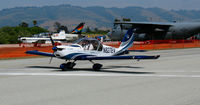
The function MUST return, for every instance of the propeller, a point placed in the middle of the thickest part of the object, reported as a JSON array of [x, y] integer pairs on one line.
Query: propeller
[[50, 60], [52, 42], [54, 48]]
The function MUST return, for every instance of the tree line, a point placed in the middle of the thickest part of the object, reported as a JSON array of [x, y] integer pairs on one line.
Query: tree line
[[89, 30], [9, 35]]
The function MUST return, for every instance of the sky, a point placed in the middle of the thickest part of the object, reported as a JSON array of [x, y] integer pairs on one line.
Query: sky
[[165, 4]]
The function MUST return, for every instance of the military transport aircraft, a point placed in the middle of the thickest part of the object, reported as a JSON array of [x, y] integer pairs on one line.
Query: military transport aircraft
[[155, 30], [91, 49]]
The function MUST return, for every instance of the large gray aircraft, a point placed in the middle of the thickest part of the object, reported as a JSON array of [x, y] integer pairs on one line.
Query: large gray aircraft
[[155, 30]]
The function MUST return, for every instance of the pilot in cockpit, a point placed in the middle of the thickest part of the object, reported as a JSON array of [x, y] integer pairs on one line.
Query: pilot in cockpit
[[87, 45]]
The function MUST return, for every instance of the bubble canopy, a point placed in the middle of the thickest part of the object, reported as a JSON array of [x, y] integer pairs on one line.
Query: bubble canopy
[[90, 44]]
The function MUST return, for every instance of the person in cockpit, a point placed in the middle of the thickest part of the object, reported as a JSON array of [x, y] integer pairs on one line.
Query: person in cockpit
[[87, 45]]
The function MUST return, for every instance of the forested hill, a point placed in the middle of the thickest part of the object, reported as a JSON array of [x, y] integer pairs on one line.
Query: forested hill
[[99, 17]]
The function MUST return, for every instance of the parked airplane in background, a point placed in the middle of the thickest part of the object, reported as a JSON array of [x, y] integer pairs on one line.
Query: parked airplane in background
[[58, 37], [155, 30], [91, 49], [78, 29]]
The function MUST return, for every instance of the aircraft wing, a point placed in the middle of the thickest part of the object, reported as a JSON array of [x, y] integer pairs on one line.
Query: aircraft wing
[[35, 52], [146, 26], [146, 23], [154, 23], [137, 57]]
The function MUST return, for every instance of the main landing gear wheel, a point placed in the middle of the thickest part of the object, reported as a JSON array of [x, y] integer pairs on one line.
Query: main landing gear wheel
[[66, 66], [97, 66]]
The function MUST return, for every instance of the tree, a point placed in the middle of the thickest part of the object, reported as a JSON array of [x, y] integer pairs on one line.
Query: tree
[[4, 38], [96, 29], [23, 24], [57, 26], [88, 30], [11, 34], [64, 28], [35, 23]]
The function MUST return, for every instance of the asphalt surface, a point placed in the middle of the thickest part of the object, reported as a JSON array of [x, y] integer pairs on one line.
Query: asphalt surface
[[174, 79]]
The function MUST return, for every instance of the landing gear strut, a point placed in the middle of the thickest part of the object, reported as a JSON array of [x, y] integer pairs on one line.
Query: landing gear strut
[[96, 66], [68, 65]]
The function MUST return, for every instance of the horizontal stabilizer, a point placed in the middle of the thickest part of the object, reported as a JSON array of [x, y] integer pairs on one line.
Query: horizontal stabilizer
[[146, 57]]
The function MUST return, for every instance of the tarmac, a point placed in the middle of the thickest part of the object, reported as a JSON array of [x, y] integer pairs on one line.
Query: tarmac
[[173, 79]]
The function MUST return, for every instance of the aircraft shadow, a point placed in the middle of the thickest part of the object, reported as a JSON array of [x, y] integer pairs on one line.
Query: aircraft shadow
[[43, 67], [125, 72], [111, 67], [108, 70], [104, 69]]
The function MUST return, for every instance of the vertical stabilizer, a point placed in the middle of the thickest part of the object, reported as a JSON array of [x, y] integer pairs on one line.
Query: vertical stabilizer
[[78, 29], [127, 41]]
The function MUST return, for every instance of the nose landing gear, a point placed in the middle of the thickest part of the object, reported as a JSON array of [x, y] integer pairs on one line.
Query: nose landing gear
[[68, 65]]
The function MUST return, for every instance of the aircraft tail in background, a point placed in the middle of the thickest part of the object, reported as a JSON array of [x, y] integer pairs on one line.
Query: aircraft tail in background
[[78, 29]]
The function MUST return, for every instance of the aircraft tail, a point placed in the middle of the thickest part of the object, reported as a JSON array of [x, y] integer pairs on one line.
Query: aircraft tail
[[78, 29], [127, 41]]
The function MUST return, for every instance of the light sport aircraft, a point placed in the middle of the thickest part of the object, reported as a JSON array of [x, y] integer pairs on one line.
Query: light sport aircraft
[[91, 49]]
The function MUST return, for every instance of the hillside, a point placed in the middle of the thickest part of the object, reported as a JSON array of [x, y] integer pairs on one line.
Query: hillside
[[93, 16]]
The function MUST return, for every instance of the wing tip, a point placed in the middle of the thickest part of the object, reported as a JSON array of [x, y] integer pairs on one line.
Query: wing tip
[[157, 56]]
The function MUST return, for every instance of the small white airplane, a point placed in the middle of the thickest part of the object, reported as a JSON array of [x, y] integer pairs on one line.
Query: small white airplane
[[91, 49], [58, 37]]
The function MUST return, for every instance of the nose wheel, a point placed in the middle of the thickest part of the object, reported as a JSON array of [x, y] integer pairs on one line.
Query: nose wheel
[[66, 66]]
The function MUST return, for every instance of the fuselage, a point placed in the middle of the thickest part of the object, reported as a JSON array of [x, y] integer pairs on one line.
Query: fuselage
[[58, 37], [175, 31], [84, 47]]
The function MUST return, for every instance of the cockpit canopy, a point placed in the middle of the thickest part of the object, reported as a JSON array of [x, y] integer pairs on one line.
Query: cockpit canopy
[[90, 44]]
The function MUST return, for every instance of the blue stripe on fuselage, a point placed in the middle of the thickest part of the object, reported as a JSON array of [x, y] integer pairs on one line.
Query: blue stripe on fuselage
[[76, 56]]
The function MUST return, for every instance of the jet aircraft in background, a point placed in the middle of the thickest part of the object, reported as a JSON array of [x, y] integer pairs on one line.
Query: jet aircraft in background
[[58, 37], [155, 30]]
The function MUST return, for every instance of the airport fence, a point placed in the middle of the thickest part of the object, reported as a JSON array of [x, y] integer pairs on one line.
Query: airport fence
[[15, 51], [161, 44]]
